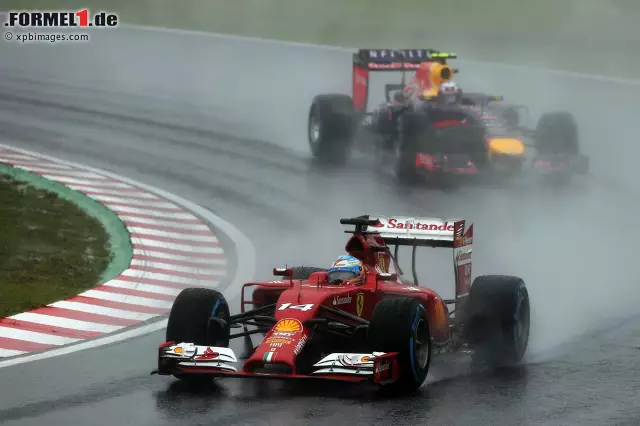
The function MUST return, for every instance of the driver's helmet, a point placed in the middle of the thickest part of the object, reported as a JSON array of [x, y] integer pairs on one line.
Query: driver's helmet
[[345, 268], [449, 93]]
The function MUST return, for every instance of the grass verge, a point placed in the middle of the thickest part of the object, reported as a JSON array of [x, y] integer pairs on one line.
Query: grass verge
[[50, 248], [592, 36]]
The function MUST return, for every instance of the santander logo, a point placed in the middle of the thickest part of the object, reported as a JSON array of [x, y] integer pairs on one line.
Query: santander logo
[[337, 300], [418, 226]]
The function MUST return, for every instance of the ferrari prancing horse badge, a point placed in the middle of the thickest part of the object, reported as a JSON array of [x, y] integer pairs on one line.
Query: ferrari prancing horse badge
[[359, 303]]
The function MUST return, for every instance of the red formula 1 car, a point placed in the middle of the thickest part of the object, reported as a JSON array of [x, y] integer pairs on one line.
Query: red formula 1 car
[[378, 329]]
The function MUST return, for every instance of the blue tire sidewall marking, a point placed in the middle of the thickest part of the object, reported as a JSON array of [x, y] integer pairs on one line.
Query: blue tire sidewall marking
[[412, 357], [516, 314], [215, 307]]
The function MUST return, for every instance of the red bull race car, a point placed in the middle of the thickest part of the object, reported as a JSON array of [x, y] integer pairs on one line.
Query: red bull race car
[[357, 321], [416, 132]]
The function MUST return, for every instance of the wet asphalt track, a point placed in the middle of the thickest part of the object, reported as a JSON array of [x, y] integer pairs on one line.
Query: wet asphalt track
[[221, 122]]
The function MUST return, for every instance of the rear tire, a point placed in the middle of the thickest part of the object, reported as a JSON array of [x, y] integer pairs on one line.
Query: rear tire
[[190, 322], [498, 319], [400, 324], [331, 128]]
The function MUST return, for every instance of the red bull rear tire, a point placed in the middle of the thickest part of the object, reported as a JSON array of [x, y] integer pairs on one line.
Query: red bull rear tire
[[331, 128]]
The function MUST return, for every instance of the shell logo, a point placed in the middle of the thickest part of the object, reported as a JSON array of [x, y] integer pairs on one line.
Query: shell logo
[[288, 325]]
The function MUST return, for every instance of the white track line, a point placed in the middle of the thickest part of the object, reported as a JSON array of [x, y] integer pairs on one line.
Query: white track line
[[113, 191], [186, 258], [159, 222], [10, 352], [60, 178], [65, 322], [50, 166], [178, 279], [129, 199], [178, 268], [102, 310], [20, 157], [124, 298], [73, 173], [35, 337], [166, 234], [44, 168], [150, 212], [178, 247], [70, 180], [149, 288]]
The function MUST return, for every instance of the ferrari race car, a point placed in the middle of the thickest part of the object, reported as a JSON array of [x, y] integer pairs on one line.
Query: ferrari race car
[[417, 135], [374, 328]]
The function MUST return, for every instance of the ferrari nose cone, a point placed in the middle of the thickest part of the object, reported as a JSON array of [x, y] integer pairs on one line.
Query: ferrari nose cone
[[506, 146]]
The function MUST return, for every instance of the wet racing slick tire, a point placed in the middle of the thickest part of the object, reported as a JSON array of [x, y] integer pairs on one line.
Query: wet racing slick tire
[[557, 133], [191, 321], [400, 324], [331, 128], [511, 116], [412, 129], [497, 319]]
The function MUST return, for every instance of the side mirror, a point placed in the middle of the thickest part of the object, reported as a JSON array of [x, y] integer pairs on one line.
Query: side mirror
[[385, 276], [283, 272]]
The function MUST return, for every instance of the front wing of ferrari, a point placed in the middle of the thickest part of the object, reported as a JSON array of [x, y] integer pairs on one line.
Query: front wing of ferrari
[[187, 358]]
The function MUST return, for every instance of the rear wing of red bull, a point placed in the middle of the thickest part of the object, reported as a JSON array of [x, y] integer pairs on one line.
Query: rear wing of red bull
[[424, 232], [367, 60]]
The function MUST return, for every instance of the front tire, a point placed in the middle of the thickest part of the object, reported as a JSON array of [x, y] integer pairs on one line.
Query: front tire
[[192, 320], [512, 117], [557, 133], [400, 324]]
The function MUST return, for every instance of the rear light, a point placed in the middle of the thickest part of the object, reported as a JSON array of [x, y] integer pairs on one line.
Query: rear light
[[425, 161]]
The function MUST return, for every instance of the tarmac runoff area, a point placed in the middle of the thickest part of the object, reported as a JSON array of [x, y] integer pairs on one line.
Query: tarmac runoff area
[[172, 249]]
